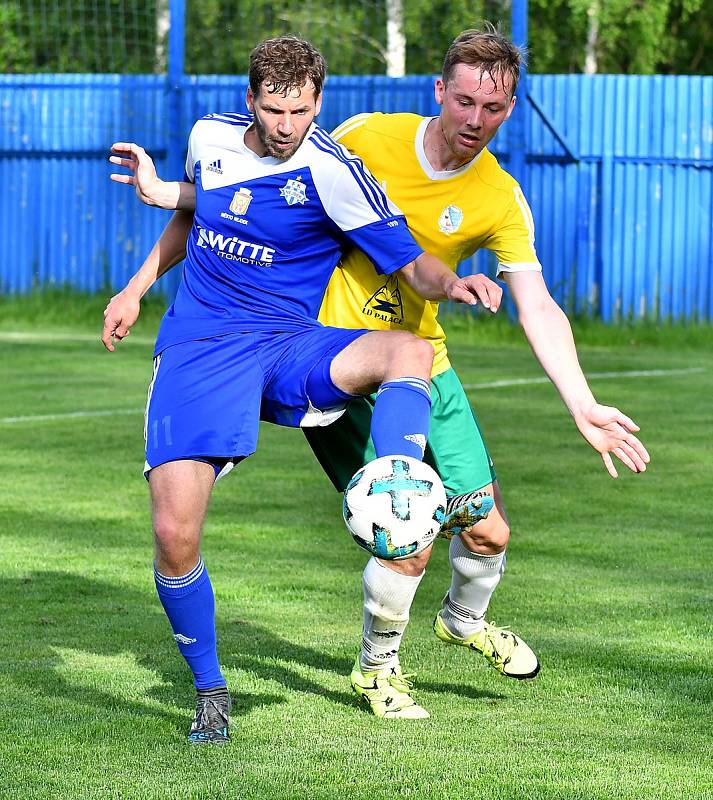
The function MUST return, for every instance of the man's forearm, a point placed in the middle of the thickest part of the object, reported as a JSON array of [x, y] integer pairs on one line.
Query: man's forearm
[[169, 250], [429, 277], [172, 195], [550, 336]]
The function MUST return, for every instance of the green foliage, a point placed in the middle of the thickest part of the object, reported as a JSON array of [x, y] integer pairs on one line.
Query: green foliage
[[78, 36], [554, 28], [431, 25], [644, 36], [352, 36], [15, 56]]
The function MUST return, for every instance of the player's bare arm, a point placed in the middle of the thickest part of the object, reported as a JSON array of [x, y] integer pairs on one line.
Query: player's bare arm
[[150, 189], [549, 333], [433, 280], [123, 309]]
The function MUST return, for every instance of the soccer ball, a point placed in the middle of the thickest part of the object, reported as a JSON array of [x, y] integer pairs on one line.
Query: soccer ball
[[394, 507]]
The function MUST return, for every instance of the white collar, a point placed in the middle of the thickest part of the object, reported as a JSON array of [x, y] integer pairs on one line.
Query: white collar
[[433, 174]]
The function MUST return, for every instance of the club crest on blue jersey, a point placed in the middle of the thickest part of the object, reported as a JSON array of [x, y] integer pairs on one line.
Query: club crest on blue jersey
[[294, 191], [240, 202], [450, 220]]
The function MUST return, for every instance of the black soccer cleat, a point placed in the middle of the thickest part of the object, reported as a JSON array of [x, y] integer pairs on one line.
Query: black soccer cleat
[[212, 718]]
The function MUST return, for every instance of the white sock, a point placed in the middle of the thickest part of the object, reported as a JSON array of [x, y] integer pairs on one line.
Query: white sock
[[474, 579], [387, 600]]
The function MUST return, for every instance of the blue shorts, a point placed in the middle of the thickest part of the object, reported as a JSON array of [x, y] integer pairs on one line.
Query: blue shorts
[[207, 397]]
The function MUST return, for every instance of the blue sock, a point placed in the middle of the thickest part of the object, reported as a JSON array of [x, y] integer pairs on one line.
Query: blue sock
[[190, 607], [402, 412]]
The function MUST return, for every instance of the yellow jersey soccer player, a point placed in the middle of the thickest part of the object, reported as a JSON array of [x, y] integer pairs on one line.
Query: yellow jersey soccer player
[[457, 199], [452, 214]]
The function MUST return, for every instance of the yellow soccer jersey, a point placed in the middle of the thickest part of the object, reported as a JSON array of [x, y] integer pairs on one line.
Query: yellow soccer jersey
[[451, 214]]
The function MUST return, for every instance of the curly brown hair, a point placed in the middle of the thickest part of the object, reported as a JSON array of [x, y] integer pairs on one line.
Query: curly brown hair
[[285, 63], [487, 49]]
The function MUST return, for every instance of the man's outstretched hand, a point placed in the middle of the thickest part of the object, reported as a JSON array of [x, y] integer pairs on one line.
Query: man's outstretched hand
[[149, 188], [143, 175], [610, 432]]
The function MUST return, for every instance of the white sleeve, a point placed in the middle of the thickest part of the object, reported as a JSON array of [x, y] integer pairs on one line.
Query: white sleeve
[[356, 199], [366, 216]]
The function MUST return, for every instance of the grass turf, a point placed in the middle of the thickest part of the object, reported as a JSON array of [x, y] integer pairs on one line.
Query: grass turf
[[608, 580]]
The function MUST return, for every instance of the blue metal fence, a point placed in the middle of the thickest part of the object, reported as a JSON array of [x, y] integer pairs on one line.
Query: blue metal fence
[[619, 176]]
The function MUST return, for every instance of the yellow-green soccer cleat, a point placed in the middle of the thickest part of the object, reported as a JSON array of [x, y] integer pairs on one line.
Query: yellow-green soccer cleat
[[503, 649], [387, 692]]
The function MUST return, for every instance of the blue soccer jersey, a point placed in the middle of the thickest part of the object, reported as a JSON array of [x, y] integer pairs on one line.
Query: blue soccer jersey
[[268, 233]]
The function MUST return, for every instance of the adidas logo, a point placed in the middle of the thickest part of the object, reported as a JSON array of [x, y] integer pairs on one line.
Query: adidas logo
[[418, 439], [215, 166], [179, 637]]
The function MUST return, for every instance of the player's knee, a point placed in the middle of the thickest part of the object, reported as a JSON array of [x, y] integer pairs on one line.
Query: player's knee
[[413, 566], [490, 535], [175, 541], [411, 352], [422, 351]]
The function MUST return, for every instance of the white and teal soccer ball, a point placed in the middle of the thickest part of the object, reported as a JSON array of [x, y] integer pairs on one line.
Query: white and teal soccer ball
[[394, 507]]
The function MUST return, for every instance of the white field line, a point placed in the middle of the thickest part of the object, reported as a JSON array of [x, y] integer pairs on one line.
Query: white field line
[[634, 373], [115, 412], [46, 337], [638, 373]]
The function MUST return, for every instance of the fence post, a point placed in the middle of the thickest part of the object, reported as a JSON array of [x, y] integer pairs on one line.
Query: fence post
[[518, 133], [174, 88], [175, 135]]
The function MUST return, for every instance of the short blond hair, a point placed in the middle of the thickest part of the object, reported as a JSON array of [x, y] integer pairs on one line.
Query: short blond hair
[[487, 49]]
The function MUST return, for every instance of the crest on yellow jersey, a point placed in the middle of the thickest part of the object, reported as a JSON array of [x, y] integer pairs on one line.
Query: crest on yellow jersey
[[450, 220], [386, 304]]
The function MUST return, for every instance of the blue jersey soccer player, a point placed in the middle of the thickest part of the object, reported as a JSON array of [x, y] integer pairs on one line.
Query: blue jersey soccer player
[[275, 198], [458, 199]]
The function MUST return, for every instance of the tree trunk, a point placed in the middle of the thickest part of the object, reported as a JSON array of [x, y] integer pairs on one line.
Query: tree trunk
[[590, 53], [163, 22], [395, 39]]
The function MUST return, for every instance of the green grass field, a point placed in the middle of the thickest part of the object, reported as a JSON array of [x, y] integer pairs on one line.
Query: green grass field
[[609, 581]]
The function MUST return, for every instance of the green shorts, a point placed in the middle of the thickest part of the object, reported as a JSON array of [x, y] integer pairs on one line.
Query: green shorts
[[455, 448]]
